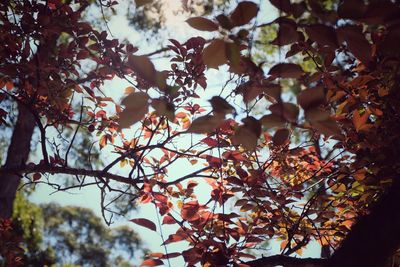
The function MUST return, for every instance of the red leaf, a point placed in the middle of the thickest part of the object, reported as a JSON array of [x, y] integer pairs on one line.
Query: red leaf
[[36, 176], [145, 223], [190, 211], [168, 220]]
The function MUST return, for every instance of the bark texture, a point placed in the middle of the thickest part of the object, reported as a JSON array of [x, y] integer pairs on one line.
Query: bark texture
[[375, 237], [17, 155]]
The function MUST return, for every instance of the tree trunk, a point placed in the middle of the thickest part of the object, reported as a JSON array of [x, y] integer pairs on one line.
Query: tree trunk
[[375, 237], [17, 155]]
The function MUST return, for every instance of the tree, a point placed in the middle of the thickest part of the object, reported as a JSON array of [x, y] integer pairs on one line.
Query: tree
[[69, 235], [317, 163]]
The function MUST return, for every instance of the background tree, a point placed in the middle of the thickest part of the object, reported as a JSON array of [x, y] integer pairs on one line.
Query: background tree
[[54, 235]]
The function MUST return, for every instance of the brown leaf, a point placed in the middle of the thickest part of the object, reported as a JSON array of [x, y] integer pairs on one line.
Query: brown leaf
[[351, 9], [327, 127], [315, 114], [281, 136], [289, 111], [202, 24], [272, 120], [283, 5], [145, 223], [214, 55], [244, 12], [205, 124], [143, 67], [247, 135], [286, 70], [232, 52], [136, 106], [322, 34], [287, 33], [164, 108], [311, 97], [220, 105], [356, 42], [224, 22], [140, 3]]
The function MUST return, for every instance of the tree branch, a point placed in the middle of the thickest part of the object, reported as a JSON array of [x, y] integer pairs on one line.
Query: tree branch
[[287, 261]]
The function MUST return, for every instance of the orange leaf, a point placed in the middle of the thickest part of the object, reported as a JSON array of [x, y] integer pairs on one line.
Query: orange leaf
[[359, 121], [152, 262]]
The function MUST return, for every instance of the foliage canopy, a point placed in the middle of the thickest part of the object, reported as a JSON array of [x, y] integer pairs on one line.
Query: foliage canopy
[[317, 162]]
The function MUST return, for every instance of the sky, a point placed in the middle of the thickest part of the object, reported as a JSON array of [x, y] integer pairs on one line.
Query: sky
[[177, 29]]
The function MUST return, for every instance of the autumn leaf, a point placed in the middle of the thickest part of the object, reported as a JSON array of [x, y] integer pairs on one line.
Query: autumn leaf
[[168, 220], [224, 22], [136, 106], [205, 124], [145, 223], [220, 105], [272, 120], [360, 121], [164, 108], [311, 97], [356, 42], [286, 70], [281, 136], [143, 67], [140, 3], [289, 111], [322, 34], [328, 127], [151, 262], [190, 210], [243, 13], [36, 176], [214, 55], [202, 24], [247, 134], [354, 9], [316, 115], [287, 33]]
